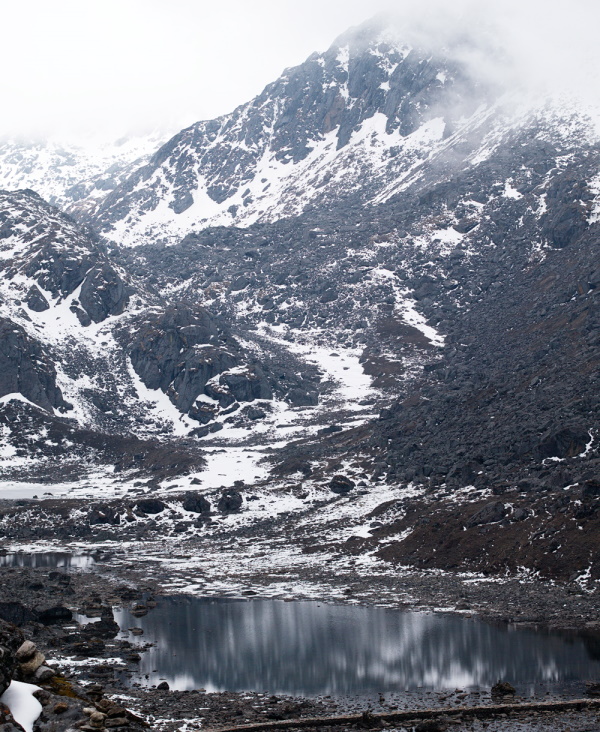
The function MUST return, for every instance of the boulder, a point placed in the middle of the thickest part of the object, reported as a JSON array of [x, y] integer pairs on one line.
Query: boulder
[[593, 688], [29, 659], [30, 667], [247, 385], [341, 484], [196, 503], [106, 627], [503, 688], [255, 413], [36, 301], [58, 614], [44, 673], [25, 651], [97, 720], [16, 613], [563, 443], [103, 514], [489, 514], [151, 505], [302, 397], [182, 202], [230, 501], [591, 489]]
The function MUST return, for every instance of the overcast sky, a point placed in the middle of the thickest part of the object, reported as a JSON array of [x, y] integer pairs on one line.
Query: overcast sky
[[72, 67]]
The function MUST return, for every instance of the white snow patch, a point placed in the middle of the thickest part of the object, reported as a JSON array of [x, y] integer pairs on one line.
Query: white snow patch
[[510, 191], [595, 212], [410, 314], [588, 446], [17, 397], [227, 465], [24, 707]]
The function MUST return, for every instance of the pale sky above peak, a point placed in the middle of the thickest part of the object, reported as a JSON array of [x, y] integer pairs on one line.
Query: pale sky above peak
[[108, 67]]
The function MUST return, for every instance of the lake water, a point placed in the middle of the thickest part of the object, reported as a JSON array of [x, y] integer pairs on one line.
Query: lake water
[[312, 648], [47, 560]]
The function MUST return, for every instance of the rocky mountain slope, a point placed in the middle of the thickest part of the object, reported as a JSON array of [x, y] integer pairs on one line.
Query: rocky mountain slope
[[377, 300], [89, 350]]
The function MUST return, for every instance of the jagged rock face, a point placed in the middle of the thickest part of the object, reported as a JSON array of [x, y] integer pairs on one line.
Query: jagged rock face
[[182, 349], [103, 293], [568, 200], [46, 247], [35, 300], [339, 125], [26, 369], [57, 280]]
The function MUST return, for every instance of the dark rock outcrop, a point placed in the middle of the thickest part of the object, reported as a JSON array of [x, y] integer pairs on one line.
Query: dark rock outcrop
[[103, 293], [103, 514], [27, 369], [36, 301], [563, 443], [59, 256], [15, 613], [184, 348], [491, 513], [56, 614]]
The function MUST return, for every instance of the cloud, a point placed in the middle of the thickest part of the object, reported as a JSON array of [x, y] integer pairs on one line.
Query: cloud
[[105, 66]]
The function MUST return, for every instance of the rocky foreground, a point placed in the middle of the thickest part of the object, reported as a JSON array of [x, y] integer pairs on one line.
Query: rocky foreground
[[86, 673]]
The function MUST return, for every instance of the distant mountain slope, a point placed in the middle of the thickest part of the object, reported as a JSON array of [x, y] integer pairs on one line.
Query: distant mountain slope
[[72, 175]]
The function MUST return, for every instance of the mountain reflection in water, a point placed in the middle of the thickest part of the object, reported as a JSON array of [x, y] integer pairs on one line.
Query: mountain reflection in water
[[48, 560], [312, 648]]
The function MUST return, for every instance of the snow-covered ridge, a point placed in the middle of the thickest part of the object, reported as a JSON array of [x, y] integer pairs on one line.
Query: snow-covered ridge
[[368, 109]]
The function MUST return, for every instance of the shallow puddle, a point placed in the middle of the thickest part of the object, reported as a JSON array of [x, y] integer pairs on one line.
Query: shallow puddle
[[49, 560], [312, 648]]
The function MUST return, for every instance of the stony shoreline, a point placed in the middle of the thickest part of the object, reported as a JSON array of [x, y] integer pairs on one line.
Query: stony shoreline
[[104, 663]]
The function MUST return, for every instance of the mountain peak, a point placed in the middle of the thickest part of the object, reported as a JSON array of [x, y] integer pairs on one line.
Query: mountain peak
[[381, 28], [367, 108]]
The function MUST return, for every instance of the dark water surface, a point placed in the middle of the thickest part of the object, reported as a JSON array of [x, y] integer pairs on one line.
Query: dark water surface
[[49, 560], [311, 648]]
